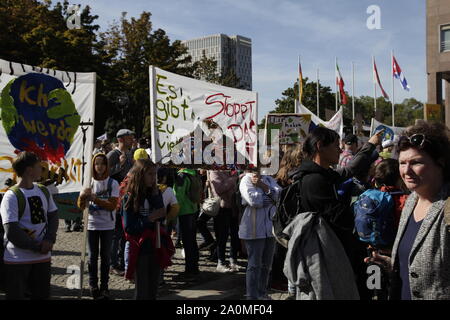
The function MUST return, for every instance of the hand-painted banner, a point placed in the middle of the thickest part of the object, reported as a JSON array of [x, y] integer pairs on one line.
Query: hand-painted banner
[[50, 113], [390, 133], [182, 108], [292, 127], [336, 123]]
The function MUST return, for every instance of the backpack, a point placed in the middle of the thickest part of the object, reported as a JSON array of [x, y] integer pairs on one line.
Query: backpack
[[194, 193], [21, 198], [288, 207], [374, 218]]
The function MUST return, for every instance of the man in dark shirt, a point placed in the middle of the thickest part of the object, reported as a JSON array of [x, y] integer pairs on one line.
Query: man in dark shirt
[[120, 161]]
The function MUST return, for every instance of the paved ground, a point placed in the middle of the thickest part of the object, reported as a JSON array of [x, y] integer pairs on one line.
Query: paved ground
[[209, 286]]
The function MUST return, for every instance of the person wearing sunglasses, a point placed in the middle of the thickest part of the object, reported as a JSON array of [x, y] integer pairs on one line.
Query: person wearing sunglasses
[[420, 261]]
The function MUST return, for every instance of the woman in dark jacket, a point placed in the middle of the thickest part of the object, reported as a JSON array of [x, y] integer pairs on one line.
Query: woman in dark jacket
[[320, 184]]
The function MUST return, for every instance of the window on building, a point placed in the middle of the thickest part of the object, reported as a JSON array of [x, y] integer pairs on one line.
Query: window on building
[[445, 38]]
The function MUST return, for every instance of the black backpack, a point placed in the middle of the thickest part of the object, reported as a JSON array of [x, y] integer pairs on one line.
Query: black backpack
[[288, 207]]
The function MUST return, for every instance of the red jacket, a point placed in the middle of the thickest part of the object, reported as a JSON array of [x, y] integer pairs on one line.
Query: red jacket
[[163, 254]]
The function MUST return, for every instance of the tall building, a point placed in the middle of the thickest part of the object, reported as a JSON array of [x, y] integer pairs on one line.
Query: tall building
[[438, 53], [233, 52]]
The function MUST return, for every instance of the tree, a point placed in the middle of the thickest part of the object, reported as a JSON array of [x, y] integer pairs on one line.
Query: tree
[[405, 112], [136, 48], [287, 103], [206, 69]]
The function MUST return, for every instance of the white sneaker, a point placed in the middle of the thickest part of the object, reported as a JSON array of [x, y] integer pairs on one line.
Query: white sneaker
[[234, 267], [265, 297], [223, 268]]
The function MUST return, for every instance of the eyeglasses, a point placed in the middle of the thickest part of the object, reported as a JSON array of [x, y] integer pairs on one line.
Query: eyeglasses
[[416, 140]]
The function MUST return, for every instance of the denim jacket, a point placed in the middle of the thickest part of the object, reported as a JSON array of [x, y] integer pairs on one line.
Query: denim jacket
[[260, 208]]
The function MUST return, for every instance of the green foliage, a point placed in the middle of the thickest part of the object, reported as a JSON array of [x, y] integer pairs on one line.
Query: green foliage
[[405, 113], [35, 33], [206, 70]]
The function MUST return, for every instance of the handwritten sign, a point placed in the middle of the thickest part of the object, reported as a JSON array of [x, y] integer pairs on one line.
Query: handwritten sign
[[292, 127], [184, 110], [50, 113]]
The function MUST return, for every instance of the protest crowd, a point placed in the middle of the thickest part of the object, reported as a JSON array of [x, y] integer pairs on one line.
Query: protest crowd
[[334, 208]]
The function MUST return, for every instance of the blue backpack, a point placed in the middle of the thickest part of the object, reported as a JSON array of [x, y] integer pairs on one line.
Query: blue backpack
[[374, 218]]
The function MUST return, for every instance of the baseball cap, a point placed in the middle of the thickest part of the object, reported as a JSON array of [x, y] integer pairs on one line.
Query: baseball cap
[[124, 132], [140, 154], [350, 139]]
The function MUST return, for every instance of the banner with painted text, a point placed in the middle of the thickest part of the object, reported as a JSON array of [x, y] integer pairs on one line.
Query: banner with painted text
[[390, 133], [196, 123], [292, 127], [50, 113]]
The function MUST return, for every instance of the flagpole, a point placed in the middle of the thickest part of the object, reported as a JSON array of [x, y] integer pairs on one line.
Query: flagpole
[[353, 96], [393, 90], [374, 88], [335, 76], [299, 82], [318, 89], [296, 109]]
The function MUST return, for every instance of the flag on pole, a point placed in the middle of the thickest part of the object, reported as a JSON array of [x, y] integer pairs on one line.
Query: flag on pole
[[397, 72], [300, 81], [376, 79], [340, 83]]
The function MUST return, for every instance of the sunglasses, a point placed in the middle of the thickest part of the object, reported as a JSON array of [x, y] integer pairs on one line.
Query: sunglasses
[[416, 140]]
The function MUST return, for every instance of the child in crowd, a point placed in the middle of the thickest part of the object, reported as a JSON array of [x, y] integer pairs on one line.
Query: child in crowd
[[102, 198], [165, 183], [142, 209], [387, 179], [30, 220]]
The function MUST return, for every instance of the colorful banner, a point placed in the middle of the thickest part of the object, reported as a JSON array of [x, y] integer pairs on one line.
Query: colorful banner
[[390, 133], [292, 127], [186, 113], [50, 113], [336, 123]]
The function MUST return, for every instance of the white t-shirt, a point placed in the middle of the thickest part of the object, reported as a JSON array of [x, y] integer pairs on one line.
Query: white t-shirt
[[169, 197], [33, 221], [99, 218]]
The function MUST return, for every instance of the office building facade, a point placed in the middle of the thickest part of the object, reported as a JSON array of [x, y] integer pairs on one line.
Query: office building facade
[[233, 52], [438, 54]]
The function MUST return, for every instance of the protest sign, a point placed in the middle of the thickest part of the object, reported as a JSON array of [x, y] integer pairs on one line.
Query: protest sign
[[51, 113], [186, 113]]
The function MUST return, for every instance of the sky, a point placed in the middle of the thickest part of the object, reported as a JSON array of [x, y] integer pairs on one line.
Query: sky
[[317, 30]]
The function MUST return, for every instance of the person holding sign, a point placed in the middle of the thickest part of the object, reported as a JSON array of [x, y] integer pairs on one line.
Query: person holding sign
[[102, 198]]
